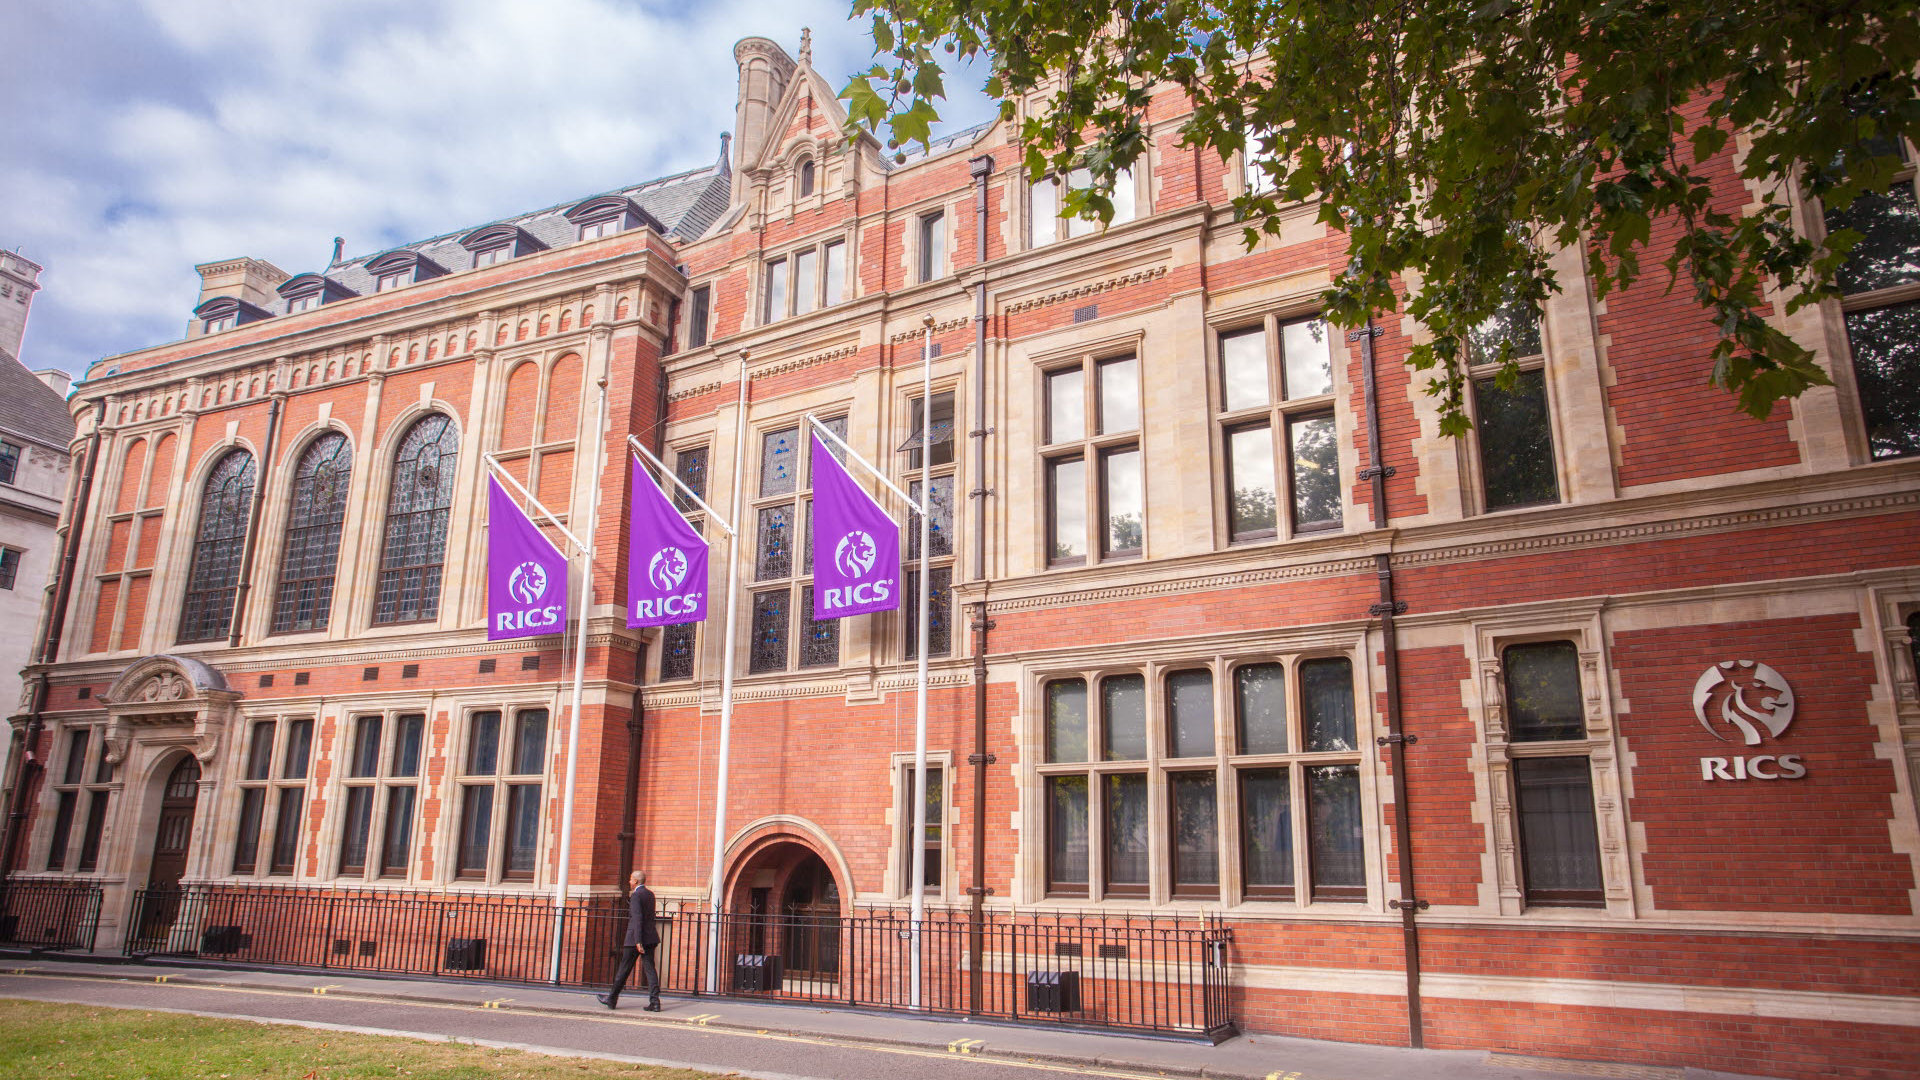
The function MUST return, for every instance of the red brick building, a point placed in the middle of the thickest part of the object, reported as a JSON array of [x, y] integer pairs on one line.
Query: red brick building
[[1645, 732]]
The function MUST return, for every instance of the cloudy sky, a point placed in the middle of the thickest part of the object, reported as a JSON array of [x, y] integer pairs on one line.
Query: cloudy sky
[[145, 136]]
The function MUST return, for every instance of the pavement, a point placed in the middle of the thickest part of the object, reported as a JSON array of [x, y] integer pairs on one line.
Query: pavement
[[750, 1038]]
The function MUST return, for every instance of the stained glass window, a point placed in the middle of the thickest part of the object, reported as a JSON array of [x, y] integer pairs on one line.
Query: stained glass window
[[773, 552], [690, 466], [779, 461], [225, 506], [939, 612], [819, 641], [319, 507], [418, 509], [676, 651], [940, 531], [768, 648]]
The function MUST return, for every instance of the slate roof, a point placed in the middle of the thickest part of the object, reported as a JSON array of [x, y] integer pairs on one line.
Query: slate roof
[[686, 203], [30, 408]]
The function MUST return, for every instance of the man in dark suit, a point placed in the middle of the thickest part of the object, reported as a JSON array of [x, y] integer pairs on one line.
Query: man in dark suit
[[643, 936]]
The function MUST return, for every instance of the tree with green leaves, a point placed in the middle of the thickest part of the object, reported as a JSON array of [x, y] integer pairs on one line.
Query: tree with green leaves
[[1458, 146]]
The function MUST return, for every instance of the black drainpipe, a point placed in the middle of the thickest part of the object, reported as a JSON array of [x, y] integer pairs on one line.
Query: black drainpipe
[[980, 169], [252, 542], [1395, 740], [50, 641]]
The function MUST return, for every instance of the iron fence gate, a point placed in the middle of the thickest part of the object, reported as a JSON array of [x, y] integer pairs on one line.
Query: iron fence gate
[[1155, 974], [50, 914]]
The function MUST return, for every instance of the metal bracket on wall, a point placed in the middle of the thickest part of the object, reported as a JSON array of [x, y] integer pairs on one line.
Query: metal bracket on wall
[[981, 891], [980, 432], [1370, 472], [1356, 335], [1398, 905], [981, 759], [977, 492], [1398, 607], [976, 624], [1389, 740]]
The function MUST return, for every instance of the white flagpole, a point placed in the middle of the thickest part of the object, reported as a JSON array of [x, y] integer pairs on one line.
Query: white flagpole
[[579, 672], [573, 741], [714, 883], [918, 854]]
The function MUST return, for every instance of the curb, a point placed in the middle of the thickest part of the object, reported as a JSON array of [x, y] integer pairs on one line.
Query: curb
[[117, 972]]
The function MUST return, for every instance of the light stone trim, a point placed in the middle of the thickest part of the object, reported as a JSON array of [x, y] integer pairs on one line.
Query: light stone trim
[[1092, 288], [804, 362], [1889, 1010]]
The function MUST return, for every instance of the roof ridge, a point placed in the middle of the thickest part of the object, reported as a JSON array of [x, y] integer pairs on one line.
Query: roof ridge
[[628, 189]]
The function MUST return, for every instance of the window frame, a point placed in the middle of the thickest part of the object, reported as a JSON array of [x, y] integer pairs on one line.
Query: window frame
[[932, 261], [271, 788], [281, 620], [939, 763], [10, 453], [820, 295], [9, 566], [1598, 745], [1481, 371], [390, 512], [677, 456], [797, 582], [1064, 227], [699, 316], [384, 780], [460, 783], [202, 601], [84, 786], [1277, 415], [1865, 301], [1092, 448], [1226, 764], [916, 480]]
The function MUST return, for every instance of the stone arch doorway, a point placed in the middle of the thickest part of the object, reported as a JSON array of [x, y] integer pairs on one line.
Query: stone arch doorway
[[792, 900], [172, 839]]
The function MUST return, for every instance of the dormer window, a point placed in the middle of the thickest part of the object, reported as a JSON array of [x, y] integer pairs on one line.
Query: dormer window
[[226, 312], [305, 292], [398, 268], [610, 214], [498, 243], [806, 178]]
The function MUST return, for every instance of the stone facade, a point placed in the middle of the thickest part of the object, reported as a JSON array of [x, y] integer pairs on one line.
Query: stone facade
[[1233, 675]]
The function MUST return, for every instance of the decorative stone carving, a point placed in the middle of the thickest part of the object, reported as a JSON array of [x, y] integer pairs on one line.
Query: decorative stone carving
[[166, 686]]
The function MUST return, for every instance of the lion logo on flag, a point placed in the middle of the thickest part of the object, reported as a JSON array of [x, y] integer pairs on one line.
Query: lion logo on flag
[[528, 583], [855, 554], [668, 569]]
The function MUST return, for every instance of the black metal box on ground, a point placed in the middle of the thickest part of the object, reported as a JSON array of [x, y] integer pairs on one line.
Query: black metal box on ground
[[1053, 991], [466, 954], [223, 940], [756, 973], [9, 927]]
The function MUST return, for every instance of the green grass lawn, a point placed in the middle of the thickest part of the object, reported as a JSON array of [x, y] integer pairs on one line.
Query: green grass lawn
[[83, 1042]]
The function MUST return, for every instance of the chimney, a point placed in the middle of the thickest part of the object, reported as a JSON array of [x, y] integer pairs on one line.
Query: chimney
[[765, 70], [58, 380], [252, 280], [339, 245]]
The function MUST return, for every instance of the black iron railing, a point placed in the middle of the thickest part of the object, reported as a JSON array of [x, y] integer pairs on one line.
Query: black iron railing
[[49, 914], [1156, 974]]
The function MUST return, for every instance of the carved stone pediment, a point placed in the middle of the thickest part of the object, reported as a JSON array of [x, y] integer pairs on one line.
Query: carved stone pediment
[[167, 690]]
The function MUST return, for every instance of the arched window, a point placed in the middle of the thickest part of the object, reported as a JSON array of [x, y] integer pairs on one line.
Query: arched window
[[224, 507], [415, 549], [313, 535], [806, 178]]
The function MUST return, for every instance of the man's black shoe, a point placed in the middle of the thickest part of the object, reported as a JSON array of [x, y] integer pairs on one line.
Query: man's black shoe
[[603, 999], [653, 1006]]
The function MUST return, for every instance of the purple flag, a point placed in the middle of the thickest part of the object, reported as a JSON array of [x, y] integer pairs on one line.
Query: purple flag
[[856, 546], [526, 574], [666, 560]]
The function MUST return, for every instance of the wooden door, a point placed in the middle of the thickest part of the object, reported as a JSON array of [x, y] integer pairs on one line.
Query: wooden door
[[171, 838], [811, 916]]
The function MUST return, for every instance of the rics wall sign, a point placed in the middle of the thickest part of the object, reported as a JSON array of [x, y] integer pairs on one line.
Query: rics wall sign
[[1748, 702]]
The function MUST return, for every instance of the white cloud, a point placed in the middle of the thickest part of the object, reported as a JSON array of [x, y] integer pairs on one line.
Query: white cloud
[[152, 135]]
